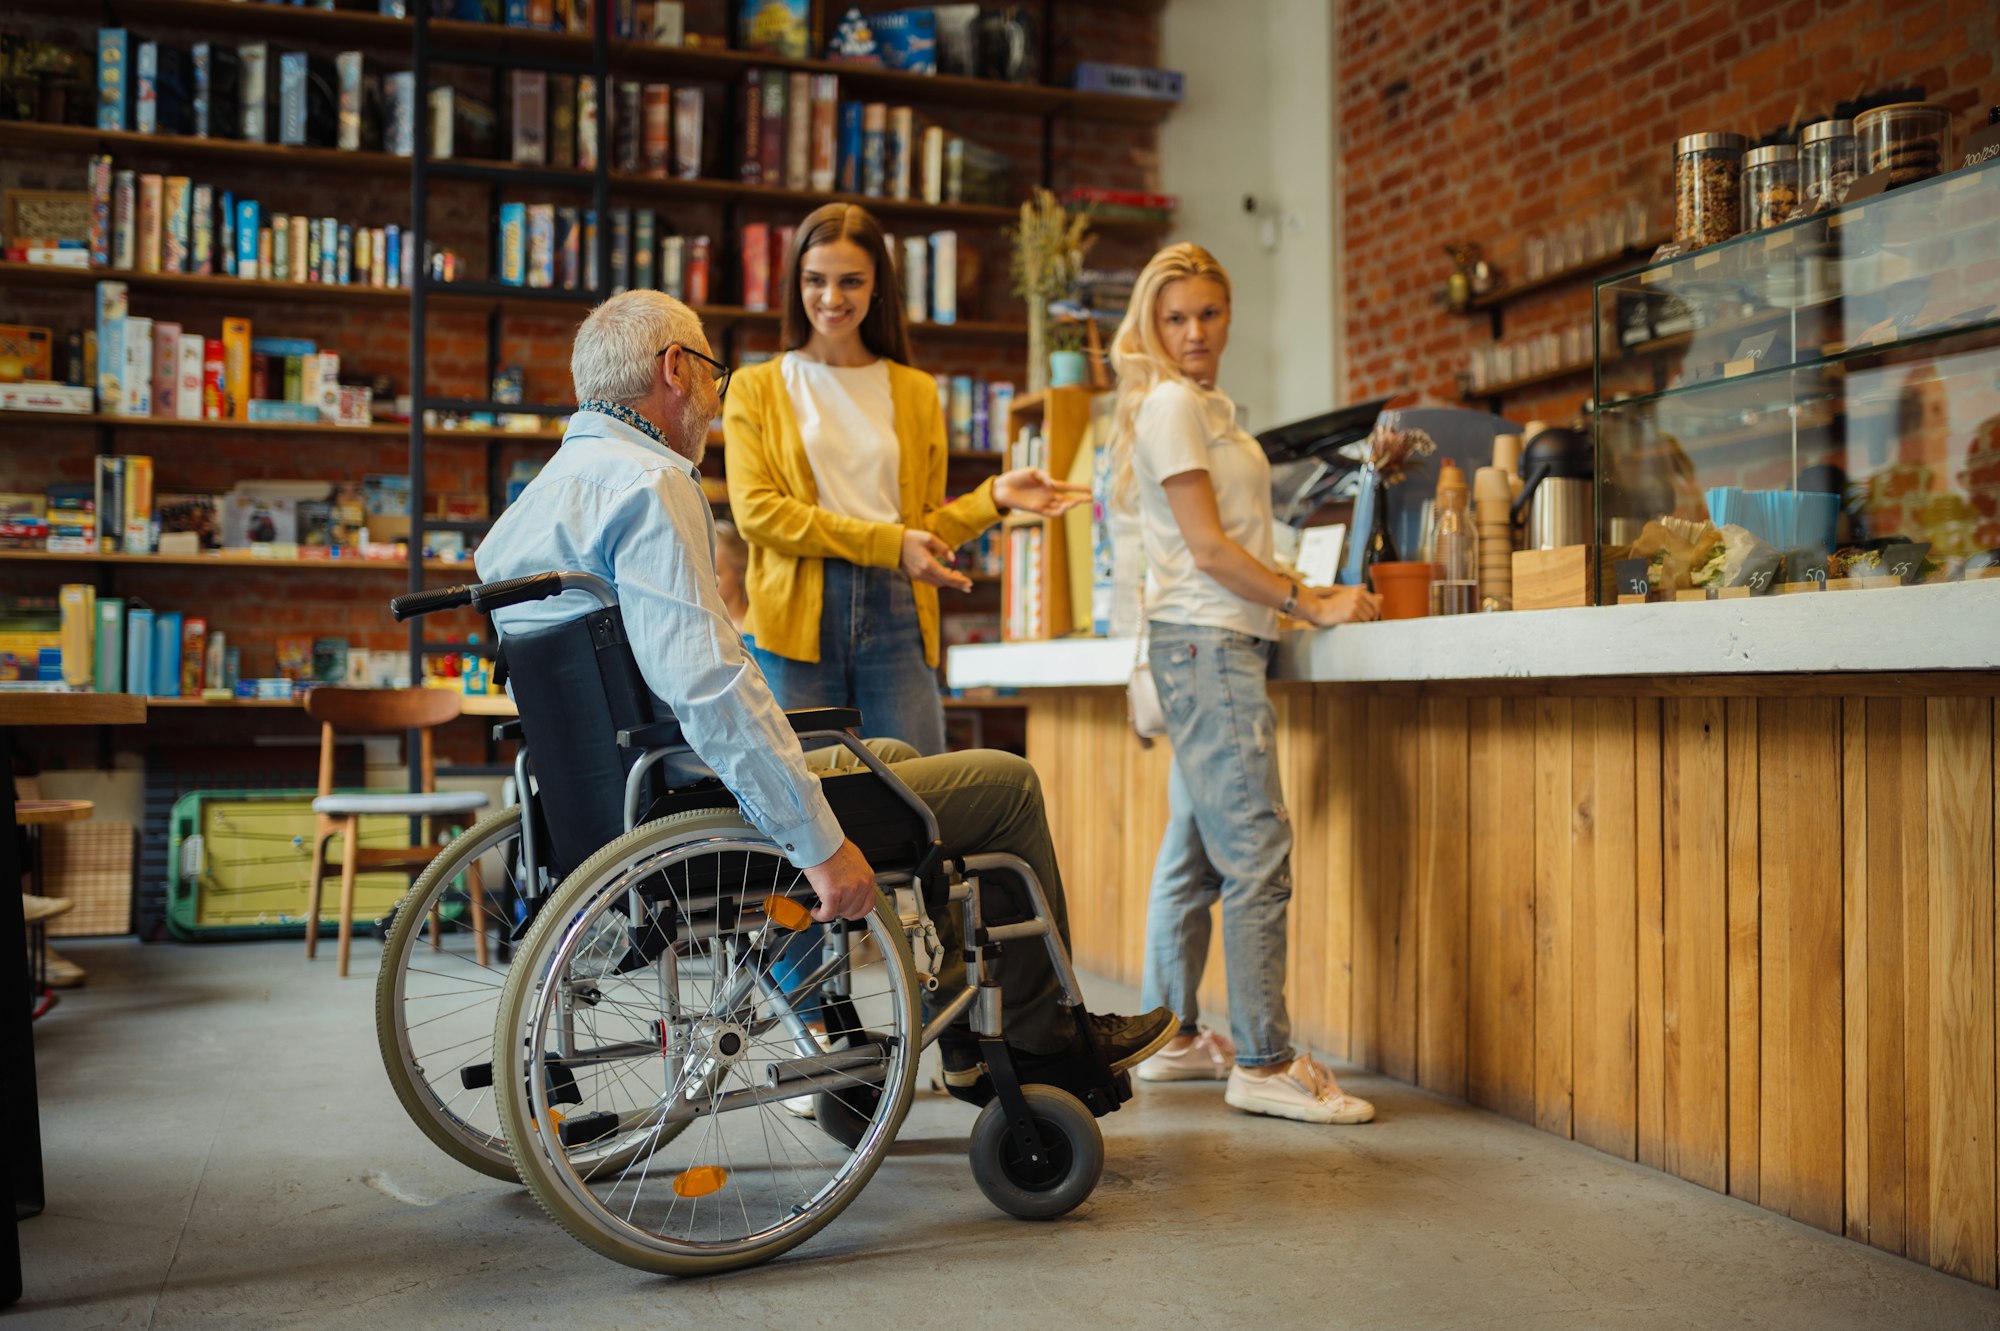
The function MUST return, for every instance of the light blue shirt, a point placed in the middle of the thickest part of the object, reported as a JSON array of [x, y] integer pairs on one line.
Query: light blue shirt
[[615, 503]]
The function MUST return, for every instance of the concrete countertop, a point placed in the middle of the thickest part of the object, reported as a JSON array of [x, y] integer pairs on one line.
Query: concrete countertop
[[1949, 627]]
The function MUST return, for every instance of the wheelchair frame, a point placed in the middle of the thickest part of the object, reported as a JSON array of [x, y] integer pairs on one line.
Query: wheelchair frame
[[1016, 1123]]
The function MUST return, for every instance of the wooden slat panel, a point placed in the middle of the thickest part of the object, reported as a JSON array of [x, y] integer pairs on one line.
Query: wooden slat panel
[[1695, 1004], [1500, 956], [1304, 772], [1651, 926], [1398, 838], [1441, 897], [1745, 915], [1603, 897], [1960, 803], [1854, 962], [1892, 857], [1898, 773], [1799, 836], [1554, 835], [1372, 916], [1337, 746]]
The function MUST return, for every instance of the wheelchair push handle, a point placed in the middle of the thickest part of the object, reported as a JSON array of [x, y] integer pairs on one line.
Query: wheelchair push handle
[[486, 597]]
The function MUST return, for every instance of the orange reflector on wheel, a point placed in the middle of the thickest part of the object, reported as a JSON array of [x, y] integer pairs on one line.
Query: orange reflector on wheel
[[701, 1181], [787, 913]]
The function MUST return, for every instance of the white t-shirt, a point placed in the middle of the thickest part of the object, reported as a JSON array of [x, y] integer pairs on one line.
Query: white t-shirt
[[847, 420], [1182, 428]]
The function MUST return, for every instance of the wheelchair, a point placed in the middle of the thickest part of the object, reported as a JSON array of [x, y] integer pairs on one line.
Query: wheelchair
[[645, 1037]]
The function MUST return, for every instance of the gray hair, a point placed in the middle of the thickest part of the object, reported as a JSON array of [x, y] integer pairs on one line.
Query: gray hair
[[617, 343]]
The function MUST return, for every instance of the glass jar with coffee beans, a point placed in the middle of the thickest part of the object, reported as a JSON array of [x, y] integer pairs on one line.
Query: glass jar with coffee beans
[[1770, 186], [1707, 189], [1826, 164]]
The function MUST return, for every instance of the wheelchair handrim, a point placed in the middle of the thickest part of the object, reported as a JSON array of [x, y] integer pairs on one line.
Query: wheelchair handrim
[[574, 1177]]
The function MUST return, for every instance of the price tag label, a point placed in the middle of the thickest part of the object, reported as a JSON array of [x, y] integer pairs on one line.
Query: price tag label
[[1806, 566], [1630, 576], [1760, 571], [1905, 561]]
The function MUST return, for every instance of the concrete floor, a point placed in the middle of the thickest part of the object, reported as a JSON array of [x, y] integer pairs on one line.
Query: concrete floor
[[224, 1151]]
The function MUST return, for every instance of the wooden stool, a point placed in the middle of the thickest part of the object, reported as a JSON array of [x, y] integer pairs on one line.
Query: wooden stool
[[38, 814]]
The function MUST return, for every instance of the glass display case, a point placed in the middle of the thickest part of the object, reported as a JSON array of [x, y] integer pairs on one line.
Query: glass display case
[[1811, 407]]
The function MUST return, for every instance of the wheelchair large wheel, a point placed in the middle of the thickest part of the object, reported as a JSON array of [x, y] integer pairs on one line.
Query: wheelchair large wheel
[[439, 989], [1047, 1184], [644, 993]]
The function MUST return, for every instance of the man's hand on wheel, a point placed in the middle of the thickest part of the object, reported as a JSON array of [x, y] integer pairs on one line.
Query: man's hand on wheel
[[845, 883]]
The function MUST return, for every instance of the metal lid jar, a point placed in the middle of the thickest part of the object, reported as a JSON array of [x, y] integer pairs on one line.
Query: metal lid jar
[[1909, 140], [1707, 184], [1770, 186], [1826, 164]]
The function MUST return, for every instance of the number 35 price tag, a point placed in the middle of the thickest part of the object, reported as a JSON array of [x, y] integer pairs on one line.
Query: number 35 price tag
[[1905, 561], [1760, 571]]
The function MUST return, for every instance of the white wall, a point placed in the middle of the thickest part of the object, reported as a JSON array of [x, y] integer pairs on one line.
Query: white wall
[[1258, 123]]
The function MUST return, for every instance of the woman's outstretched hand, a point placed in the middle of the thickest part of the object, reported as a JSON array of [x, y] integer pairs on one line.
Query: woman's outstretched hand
[[1035, 491], [1323, 607], [926, 559]]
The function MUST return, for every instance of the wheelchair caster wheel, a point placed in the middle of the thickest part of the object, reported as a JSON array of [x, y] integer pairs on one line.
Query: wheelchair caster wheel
[[1059, 1180]]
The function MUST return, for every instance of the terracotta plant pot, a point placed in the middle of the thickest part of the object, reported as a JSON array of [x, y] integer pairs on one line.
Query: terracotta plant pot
[[1405, 589]]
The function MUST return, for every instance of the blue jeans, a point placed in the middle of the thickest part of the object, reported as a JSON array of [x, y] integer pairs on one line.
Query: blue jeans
[[1228, 837], [871, 657]]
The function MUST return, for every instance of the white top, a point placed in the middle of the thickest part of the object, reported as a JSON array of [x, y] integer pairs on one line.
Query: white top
[[847, 420], [1182, 428], [1950, 627]]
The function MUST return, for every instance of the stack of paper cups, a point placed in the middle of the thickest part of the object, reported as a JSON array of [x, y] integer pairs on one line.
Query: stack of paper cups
[[1491, 502]]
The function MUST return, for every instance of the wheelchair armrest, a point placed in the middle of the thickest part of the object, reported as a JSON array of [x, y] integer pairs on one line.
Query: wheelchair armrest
[[507, 730], [654, 735], [808, 720]]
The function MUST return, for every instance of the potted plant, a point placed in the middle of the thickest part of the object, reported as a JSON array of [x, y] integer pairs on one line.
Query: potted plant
[[1069, 365], [1049, 246]]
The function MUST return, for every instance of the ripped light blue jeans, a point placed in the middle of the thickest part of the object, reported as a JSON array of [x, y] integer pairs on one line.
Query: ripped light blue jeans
[[1228, 838]]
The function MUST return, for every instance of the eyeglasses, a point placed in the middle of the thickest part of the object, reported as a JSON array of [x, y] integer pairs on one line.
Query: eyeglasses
[[721, 371]]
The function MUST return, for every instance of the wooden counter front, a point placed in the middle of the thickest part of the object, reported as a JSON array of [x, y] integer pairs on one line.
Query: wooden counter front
[[1739, 929]]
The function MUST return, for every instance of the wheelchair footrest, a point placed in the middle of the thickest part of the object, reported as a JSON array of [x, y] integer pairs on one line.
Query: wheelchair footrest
[[587, 1128], [476, 1076]]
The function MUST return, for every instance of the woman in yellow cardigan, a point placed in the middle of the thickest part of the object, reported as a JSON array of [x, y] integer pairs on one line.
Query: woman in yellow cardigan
[[836, 456]]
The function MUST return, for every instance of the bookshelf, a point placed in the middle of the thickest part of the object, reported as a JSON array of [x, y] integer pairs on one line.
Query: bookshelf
[[1037, 600], [214, 559]]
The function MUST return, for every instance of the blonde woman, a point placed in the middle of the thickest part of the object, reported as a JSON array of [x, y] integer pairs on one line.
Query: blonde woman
[[1202, 488], [836, 459]]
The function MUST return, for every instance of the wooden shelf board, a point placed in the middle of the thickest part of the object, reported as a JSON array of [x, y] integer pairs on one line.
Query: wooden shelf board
[[234, 561], [26, 418], [1512, 386], [1630, 256]]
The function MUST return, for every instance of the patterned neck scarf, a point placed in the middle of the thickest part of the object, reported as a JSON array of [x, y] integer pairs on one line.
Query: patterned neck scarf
[[630, 417]]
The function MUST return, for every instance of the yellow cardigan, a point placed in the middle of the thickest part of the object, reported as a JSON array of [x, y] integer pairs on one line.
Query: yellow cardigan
[[774, 502]]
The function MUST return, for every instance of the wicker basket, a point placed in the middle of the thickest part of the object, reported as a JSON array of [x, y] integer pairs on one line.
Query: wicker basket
[[89, 863]]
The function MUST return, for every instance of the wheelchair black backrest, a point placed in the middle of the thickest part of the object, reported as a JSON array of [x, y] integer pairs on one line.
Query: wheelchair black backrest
[[577, 685]]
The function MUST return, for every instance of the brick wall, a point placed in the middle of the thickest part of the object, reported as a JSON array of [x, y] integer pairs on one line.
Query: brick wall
[[1490, 120]]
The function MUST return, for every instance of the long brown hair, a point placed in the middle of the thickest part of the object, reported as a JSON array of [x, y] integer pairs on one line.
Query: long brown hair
[[884, 327]]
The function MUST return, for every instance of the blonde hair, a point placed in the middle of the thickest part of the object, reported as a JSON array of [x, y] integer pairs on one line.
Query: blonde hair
[[1138, 357]]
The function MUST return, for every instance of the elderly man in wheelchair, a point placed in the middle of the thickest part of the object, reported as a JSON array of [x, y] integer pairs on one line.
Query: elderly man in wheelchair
[[646, 1017]]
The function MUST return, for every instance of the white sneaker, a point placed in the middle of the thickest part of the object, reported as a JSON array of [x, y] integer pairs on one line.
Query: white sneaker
[[1208, 1058], [801, 1106], [1304, 1091]]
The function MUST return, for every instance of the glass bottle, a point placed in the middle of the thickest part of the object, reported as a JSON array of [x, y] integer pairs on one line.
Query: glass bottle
[[1455, 583], [1378, 547]]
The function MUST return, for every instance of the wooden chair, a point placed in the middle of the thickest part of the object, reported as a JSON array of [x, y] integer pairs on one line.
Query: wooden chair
[[379, 711]]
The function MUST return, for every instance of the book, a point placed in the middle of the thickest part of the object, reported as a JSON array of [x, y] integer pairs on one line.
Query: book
[[258, 84], [113, 74], [301, 252], [308, 100], [145, 64], [825, 130], [125, 220], [248, 226], [1163, 85], [215, 666], [673, 266], [278, 411], [645, 245], [847, 158], [236, 367], [215, 403], [26, 353], [137, 515], [669, 22], [188, 379], [393, 257], [798, 131], [359, 115], [587, 134], [771, 132], [151, 190], [163, 79], [932, 158], [687, 132], [513, 248], [944, 277], [756, 266], [530, 102], [400, 119], [587, 242], [279, 267], [166, 369], [177, 223], [201, 232], [695, 271], [975, 173], [656, 147], [628, 128], [218, 91], [779, 27], [562, 120], [112, 299], [108, 673], [194, 655], [874, 162], [78, 602], [915, 277], [751, 169], [225, 234], [569, 267], [138, 650], [906, 40], [108, 503], [100, 211], [541, 244], [621, 250], [166, 677], [138, 366], [897, 152]]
